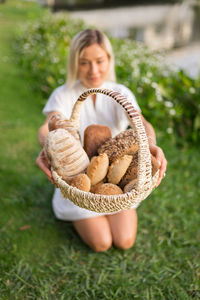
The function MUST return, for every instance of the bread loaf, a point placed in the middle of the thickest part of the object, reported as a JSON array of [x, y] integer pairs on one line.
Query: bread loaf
[[98, 168], [94, 137], [118, 168], [65, 154], [132, 170], [121, 144], [108, 189], [58, 121], [81, 182], [130, 186]]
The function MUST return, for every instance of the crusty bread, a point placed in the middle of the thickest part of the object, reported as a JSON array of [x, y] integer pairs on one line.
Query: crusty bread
[[132, 170], [129, 186], [65, 154], [98, 168], [82, 182], [108, 189], [93, 187], [121, 144], [58, 121], [118, 168], [94, 137], [155, 165]]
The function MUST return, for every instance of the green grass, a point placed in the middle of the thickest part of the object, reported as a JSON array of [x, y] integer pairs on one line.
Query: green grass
[[43, 258]]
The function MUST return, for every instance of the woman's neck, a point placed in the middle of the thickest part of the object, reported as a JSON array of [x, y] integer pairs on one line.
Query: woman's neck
[[93, 99]]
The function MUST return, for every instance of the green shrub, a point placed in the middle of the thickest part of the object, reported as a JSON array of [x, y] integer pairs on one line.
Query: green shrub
[[169, 98], [43, 48]]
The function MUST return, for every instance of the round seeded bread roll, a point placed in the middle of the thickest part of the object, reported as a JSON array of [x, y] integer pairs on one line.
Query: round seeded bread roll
[[118, 168], [82, 182], [121, 144], [108, 189], [98, 168], [65, 154]]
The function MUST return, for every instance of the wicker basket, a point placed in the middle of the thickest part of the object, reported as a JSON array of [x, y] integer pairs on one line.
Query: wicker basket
[[145, 181]]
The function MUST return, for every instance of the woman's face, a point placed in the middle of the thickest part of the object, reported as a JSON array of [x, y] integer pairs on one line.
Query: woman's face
[[93, 66]]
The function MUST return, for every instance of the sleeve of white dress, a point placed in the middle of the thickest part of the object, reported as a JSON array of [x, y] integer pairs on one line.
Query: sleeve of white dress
[[54, 103], [131, 98], [123, 120]]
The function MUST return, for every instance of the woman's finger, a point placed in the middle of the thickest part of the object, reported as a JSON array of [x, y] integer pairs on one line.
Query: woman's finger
[[42, 163], [160, 157], [163, 168]]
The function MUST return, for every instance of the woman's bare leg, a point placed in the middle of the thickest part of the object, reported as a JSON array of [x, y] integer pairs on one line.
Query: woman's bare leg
[[123, 227], [95, 232]]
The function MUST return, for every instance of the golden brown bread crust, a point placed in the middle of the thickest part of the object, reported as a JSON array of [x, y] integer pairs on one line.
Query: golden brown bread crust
[[131, 185], [82, 182], [118, 168], [123, 143], [108, 189], [94, 137], [155, 165], [98, 168], [58, 121], [65, 154], [132, 170], [93, 187]]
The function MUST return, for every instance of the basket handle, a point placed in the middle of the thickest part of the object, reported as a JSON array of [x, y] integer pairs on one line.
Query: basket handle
[[144, 156]]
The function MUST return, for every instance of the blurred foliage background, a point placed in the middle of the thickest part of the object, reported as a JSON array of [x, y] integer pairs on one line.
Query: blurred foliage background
[[169, 98]]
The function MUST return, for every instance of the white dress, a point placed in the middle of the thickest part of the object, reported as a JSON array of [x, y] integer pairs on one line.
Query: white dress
[[106, 111]]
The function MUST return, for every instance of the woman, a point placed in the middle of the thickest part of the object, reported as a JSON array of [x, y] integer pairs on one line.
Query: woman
[[91, 65]]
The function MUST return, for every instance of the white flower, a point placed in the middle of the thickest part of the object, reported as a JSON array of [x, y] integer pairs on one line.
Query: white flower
[[172, 112], [146, 80], [55, 59], [154, 85], [159, 97], [149, 74], [192, 90], [140, 89], [168, 104], [169, 130]]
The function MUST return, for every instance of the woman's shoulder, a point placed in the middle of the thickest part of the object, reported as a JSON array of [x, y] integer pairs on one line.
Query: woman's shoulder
[[64, 92], [116, 86], [119, 88], [123, 90], [62, 89]]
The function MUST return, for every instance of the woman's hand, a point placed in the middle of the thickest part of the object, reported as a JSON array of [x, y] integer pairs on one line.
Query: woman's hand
[[159, 155], [42, 163]]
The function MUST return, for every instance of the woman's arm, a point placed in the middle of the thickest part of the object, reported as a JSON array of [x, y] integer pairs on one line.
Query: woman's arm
[[155, 150], [43, 130], [41, 160]]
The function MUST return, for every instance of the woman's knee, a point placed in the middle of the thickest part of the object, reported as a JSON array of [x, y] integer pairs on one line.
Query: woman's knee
[[101, 244], [125, 242], [95, 232]]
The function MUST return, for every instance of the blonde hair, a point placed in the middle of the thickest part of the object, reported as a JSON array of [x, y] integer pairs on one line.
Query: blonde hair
[[82, 40]]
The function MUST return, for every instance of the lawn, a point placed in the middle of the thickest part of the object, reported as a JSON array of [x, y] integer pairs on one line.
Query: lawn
[[43, 258]]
